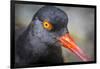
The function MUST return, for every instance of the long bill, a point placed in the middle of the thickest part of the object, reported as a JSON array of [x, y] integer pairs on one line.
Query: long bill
[[67, 41]]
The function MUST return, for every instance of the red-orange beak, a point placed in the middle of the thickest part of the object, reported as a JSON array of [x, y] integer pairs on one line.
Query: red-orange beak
[[67, 41]]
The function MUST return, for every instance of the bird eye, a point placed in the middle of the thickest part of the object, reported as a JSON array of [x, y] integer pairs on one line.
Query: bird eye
[[47, 25]]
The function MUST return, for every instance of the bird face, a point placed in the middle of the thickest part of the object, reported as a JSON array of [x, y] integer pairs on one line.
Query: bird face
[[47, 32]]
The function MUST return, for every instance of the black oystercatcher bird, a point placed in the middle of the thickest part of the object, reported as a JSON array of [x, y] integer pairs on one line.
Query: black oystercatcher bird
[[41, 42]]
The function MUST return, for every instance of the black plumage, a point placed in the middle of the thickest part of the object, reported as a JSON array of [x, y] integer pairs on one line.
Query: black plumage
[[37, 45]]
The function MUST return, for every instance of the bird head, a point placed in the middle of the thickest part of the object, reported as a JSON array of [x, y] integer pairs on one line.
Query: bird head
[[49, 24]]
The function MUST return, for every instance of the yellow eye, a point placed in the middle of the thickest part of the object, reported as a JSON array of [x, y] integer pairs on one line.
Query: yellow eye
[[47, 25]]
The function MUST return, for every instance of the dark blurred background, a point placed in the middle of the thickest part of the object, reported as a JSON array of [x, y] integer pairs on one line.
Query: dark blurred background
[[80, 25]]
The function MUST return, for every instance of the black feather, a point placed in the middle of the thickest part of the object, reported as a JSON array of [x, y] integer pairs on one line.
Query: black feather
[[36, 45]]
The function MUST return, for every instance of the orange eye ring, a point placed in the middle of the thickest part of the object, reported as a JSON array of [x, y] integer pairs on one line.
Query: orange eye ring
[[47, 25]]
